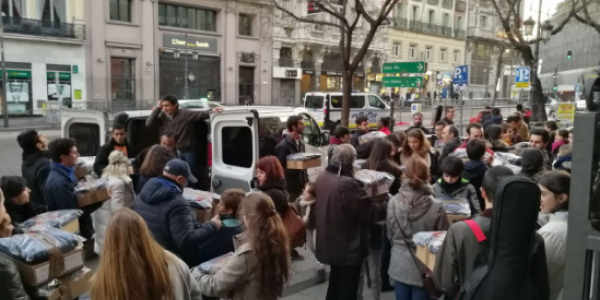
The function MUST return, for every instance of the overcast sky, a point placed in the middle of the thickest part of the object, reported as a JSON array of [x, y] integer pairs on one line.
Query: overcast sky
[[548, 8]]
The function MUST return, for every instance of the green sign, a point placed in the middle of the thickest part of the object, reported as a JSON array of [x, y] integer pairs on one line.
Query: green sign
[[61, 76], [404, 81], [77, 94], [18, 74], [404, 67], [75, 69]]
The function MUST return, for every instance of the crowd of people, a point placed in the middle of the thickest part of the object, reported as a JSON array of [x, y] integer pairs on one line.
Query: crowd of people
[[150, 243]]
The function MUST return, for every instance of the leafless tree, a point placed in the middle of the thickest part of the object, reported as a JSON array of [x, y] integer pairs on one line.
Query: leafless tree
[[586, 17], [510, 18], [373, 13]]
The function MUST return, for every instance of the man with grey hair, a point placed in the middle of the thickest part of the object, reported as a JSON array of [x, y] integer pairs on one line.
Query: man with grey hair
[[345, 213], [418, 123]]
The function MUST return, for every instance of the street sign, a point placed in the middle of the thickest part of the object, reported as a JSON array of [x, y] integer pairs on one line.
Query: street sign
[[566, 112], [461, 75], [522, 77], [415, 108], [403, 81], [404, 67]]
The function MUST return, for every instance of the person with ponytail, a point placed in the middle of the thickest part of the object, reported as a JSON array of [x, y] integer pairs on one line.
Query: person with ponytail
[[415, 210], [134, 266], [260, 267]]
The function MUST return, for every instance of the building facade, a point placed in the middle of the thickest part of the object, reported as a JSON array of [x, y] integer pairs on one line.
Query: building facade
[[44, 53], [145, 49], [306, 57], [432, 31]]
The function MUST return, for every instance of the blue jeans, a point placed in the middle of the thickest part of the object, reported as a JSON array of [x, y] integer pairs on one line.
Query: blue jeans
[[191, 157], [409, 292]]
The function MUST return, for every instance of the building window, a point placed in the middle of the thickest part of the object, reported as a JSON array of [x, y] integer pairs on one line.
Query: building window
[[396, 49], [122, 78], [399, 10], [415, 12], [443, 55], [459, 22], [120, 10], [246, 85], [483, 22], [412, 52], [187, 17], [431, 17], [428, 53], [245, 25], [13, 8], [446, 20], [456, 56]]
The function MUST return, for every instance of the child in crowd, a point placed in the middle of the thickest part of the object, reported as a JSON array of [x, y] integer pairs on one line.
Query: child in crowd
[[306, 206], [561, 138], [222, 242], [452, 186], [564, 158], [507, 134]]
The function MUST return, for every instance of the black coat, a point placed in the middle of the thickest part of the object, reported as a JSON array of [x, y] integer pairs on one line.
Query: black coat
[[102, 157], [450, 147], [474, 172], [425, 130], [168, 216], [295, 179], [19, 213], [11, 286], [35, 169], [276, 190], [354, 138]]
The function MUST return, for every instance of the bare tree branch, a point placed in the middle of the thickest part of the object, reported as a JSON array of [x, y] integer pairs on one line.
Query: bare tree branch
[[588, 19], [301, 19], [332, 12], [360, 10]]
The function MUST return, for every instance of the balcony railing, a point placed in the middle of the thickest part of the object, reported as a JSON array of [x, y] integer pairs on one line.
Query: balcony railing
[[307, 65], [400, 23], [286, 62], [332, 65], [461, 6], [432, 29], [447, 3], [459, 34], [43, 28], [317, 33], [433, 2]]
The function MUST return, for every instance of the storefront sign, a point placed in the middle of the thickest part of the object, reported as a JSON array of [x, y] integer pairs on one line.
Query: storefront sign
[[61, 76], [359, 74], [566, 112], [193, 42], [289, 73], [75, 69], [309, 72], [18, 74], [331, 73], [77, 94]]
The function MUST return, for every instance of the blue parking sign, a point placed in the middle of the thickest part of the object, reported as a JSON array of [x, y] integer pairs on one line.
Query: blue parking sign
[[522, 77], [461, 75]]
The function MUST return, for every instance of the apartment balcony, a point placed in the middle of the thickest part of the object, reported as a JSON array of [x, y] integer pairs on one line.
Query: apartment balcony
[[307, 65], [483, 33], [400, 23], [433, 2], [286, 62], [447, 4], [431, 29], [43, 28], [459, 34], [461, 6]]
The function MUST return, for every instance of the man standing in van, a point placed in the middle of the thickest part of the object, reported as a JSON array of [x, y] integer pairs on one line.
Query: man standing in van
[[169, 117]]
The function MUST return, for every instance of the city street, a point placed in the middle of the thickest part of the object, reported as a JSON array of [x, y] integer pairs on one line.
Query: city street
[[10, 163]]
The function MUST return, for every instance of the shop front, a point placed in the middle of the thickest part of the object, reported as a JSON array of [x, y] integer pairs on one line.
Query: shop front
[[358, 82], [59, 87], [190, 67], [18, 92], [374, 82], [330, 81], [285, 83]]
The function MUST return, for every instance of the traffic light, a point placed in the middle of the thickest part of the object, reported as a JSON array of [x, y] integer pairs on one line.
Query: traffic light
[[555, 87], [569, 54]]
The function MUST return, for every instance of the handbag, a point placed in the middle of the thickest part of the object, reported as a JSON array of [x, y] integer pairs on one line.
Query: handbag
[[294, 225], [426, 274]]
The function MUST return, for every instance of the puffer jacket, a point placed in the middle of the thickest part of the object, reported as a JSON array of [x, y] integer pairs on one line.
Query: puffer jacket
[[122, 194], [167, 213], [11, 286], [466, 191], [415, 211]]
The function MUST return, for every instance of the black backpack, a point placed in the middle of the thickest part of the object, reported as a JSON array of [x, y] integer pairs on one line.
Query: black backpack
[[515, 267]]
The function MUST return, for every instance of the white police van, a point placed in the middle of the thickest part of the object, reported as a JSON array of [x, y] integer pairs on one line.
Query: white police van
[[327, 108], [239, 137]]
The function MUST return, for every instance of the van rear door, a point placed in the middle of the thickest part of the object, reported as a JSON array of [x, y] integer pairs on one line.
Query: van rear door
[[316, 104], [88, 128], [235, 150]]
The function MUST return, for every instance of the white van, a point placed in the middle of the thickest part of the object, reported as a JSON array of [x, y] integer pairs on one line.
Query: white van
[[239, 137], [327, 108]]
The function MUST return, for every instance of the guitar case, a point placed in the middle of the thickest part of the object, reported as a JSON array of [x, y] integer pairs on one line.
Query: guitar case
[[515, 268]]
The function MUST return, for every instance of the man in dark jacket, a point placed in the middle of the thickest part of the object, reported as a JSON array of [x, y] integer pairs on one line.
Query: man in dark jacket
[[449, 117], [118, 141], [362, 127], [346, 212], [341, 135], [169, 117], [291, 144], [167, 213], [452, 140], [539, 138], [461, 253], [475, 167], [418, 123], [61, 183], [36, 166]]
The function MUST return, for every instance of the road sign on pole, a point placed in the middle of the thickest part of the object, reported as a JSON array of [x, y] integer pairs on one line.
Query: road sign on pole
[[461, 75], [393, 82], [404, 67], [522, 77]]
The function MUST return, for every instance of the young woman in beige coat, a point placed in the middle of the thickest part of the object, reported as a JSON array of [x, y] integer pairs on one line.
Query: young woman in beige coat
[[260, 267]]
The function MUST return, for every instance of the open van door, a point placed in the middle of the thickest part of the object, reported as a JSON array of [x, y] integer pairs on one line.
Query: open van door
[[235, 150], [88, 128]]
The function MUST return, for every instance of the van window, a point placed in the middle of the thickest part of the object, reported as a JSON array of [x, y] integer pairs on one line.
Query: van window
[[268, 130], [87, 136], [313, 102], [237, 146], [356, 101], [311, 134], [375, 102]]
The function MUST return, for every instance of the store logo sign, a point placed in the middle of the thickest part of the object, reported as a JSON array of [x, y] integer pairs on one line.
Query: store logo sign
[[193, 42], [291, 73]]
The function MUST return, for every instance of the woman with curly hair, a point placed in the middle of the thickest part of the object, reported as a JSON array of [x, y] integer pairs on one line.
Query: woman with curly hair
[[416, 145], [260, 267]]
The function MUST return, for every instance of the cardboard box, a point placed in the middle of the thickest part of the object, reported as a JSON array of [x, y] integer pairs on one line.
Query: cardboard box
[[456, 218], [426, 257], [201, 215], [304, 164], [77, 287], [72, 227], [81, 172], [376, 190], [34, 275], [92, 196]]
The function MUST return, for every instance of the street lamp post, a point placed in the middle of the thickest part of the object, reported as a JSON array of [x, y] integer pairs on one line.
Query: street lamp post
[[185, 78], [4, 79]]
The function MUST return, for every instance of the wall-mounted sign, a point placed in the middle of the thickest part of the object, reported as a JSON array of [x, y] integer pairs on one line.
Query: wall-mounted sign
[[12, 74], [291, 73], [75, 69], [331, 73], [287, 73], [309, 72], [359, 74], [193, 42], [61, 76]]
